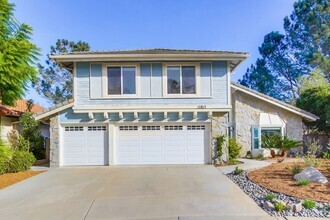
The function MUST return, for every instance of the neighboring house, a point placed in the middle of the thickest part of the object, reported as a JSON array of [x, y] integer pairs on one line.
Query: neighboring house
[[159, 106], [9, 117]]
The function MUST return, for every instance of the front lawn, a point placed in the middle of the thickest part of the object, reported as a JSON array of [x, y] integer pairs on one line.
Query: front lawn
[[12, 178], [278, 177]]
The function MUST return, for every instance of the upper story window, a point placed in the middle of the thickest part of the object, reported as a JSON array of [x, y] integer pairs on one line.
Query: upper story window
[[121, 80], [181, 80]]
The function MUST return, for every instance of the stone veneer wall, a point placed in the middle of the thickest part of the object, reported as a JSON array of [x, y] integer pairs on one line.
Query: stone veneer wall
[[54, 142], [246, 109], [217, 124]]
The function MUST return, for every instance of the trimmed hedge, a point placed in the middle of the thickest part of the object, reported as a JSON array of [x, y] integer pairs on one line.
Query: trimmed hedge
[[21, 160], [5, 156]]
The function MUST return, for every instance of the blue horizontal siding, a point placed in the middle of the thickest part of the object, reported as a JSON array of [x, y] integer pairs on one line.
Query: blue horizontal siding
[[153, 87]]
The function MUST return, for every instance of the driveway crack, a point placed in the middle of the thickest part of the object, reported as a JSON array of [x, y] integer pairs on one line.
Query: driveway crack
[[89, 209]]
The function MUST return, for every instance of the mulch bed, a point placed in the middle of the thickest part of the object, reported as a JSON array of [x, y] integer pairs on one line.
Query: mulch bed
[[277, 177], [12, 178]]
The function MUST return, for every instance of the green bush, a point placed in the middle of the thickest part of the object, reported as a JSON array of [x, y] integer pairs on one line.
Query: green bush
[[303, 182], [5, 156], [309, 204], [310, 161], [326, 155], [270, 197], [238, 171], [234, 149], [17, 141], [220, 142], [21, 160], [279, 206], [296, 169]]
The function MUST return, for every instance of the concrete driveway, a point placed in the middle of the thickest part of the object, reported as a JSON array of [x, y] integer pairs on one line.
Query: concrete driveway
[[154, 192]]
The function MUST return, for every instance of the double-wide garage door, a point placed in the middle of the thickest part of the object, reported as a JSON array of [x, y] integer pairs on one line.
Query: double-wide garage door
[[158, 144], [135, 144]]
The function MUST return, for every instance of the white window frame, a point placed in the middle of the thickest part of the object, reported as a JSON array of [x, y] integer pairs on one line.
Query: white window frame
[[180, 95], [259, 134], [121, 65]]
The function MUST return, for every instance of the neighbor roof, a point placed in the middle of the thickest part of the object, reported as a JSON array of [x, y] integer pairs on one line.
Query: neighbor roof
[[19, 108], [307, 115], [150, 54]]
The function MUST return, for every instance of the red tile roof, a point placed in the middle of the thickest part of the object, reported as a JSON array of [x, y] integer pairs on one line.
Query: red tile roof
[[19, 108]]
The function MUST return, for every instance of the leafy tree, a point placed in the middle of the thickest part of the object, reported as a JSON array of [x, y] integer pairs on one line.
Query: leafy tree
[[315, 79], [308, 28], [55, 82], [304, 47], [317, 101], [258, 77], [17, 55]]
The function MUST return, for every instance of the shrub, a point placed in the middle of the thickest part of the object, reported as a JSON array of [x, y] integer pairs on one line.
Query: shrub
[[310, 161], [238, 171], [309, 204], [21, 160], [270, 141], [279, 206], [261, 156], [296, 169], [5, 156], [270, 197], [313, 148], [248, 154], [326, 155], [234, 149], [303, 182], [220, 142], [17, 141]]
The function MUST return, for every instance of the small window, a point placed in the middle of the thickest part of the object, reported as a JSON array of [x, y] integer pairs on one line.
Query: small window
[[97, 128], [181, 80], [171, 127], [74, 128], [121, 80], [150, 128], [271, 131], [255, 138], [128, 128], [196, 127]]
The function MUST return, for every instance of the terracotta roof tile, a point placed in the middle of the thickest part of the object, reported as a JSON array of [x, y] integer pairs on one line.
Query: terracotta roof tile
[[19, 108]]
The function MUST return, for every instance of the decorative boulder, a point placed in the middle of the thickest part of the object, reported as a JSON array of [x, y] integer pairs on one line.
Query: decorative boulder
[[312, 174], [268, 206]]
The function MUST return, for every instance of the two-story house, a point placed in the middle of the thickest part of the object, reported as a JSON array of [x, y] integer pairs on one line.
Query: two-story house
[[159, 106]]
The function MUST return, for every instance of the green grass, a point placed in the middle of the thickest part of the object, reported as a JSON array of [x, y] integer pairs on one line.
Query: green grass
[[238, 171], [303, 182], [270, 197], [309, 204]]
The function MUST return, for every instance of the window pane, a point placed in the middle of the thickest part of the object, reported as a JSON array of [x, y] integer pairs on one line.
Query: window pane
[[270, 131], [129, 80], [114, 81], [173, 80], [188, 80], [256, 143], [255, 132]]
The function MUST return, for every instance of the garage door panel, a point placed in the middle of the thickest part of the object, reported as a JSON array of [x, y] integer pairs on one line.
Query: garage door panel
[[128, 160], [151, 160], [174, 159], [173, 148], [129, 148], [172, 137], [85, 145], [151, 148], [151, 138], [128, 138]]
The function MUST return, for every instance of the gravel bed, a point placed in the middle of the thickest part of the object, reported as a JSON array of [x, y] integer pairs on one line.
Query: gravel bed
[[257, 193]]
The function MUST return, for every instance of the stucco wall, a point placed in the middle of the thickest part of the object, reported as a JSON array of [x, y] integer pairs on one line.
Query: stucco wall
[[5, 127], [246, 109]]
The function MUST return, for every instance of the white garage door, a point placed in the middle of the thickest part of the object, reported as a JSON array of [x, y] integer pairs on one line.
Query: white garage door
[[85, 145], [162, 144]]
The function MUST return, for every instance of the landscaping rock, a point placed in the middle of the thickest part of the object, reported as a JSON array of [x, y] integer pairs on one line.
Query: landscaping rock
[[279, 201], [312, 174], [297, 207], [268, 206]]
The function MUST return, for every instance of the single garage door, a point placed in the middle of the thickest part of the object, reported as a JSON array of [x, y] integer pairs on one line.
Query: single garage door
[[162, 144], [85, 145]]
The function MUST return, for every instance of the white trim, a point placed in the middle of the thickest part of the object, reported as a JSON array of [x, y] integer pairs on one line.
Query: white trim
[[274, 103], [74, 81], [105, 80], [54, 111], [197, 80], [98, 108]]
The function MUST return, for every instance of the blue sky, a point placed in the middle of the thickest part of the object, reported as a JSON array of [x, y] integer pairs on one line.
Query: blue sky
[[234, 25]]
